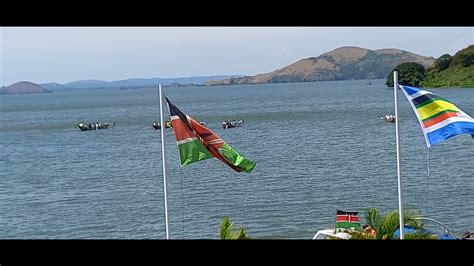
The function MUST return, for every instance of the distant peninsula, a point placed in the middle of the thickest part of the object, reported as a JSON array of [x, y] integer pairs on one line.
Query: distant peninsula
[[134, 83], [344, 63], [23, 87]]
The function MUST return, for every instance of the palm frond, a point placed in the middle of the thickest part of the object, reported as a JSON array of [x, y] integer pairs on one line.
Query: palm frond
[[373, 218], [387, 224], [227, 231], [226, 228]]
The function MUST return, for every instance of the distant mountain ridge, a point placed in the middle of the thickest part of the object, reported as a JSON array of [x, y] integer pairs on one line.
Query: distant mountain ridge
[[134, 82], [23, 87], [344, 63]]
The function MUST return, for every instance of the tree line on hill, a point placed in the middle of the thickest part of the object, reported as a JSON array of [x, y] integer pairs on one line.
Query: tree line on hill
[[447, 71]]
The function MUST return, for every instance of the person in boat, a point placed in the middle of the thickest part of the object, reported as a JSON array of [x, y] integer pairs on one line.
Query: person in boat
[[367, 229]]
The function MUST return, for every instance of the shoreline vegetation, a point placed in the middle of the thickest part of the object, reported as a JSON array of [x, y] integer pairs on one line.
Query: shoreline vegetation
[[378, 226], [447, 72]]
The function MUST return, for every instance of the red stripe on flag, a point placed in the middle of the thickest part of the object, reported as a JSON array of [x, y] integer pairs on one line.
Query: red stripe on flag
[[342, 218], [438, 119], [353, 219], [181, 131], [347, 218]]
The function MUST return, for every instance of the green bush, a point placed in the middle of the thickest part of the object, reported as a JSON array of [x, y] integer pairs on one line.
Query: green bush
[[443, 62], [409, 73]]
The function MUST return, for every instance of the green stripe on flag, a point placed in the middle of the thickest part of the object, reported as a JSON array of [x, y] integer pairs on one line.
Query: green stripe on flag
[[438, 114], [430, 101], [347, 224], [235, 158], [193, 151]]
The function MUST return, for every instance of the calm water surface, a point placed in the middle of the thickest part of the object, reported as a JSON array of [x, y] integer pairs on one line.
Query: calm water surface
[[318, 147]]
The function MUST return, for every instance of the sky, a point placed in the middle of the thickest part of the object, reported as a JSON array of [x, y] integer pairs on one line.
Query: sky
[[64, 54]]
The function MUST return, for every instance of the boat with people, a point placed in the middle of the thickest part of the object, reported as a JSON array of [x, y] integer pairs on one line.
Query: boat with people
[[94, 126], [157, 125], [388, 118], [232, 123]]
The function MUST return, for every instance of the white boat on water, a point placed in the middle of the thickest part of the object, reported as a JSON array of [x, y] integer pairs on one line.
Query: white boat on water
[[388, 118], [332, 234]]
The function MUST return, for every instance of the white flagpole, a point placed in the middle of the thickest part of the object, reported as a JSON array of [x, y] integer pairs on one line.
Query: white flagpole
[[397, 137], [163, 155]]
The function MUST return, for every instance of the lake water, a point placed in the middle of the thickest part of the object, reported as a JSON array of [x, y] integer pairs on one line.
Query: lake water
[[318, 147]]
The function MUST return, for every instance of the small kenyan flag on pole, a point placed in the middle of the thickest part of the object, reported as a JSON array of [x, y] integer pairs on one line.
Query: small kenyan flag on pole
[[347, 219]]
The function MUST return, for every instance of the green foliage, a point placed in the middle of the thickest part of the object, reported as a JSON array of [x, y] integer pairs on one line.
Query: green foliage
[[467, 60], [463, 57], [227, 231], [385, 225], [409, 73], [448, 71], [459, 73], [443, 62], [457, 76]]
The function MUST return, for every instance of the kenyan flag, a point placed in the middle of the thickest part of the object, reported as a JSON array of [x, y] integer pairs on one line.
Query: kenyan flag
[[347, 219], [197, 143]]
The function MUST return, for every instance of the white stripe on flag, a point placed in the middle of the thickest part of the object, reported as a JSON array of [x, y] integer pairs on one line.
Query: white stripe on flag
[[418, 94], [187, 140]]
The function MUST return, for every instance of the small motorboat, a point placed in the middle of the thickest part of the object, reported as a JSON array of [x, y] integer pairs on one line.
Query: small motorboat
[[94, 126], [232, 123], [388, 118], [157, 125]]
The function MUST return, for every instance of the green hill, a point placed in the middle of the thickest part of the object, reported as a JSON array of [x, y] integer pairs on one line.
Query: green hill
[[455, 71]]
